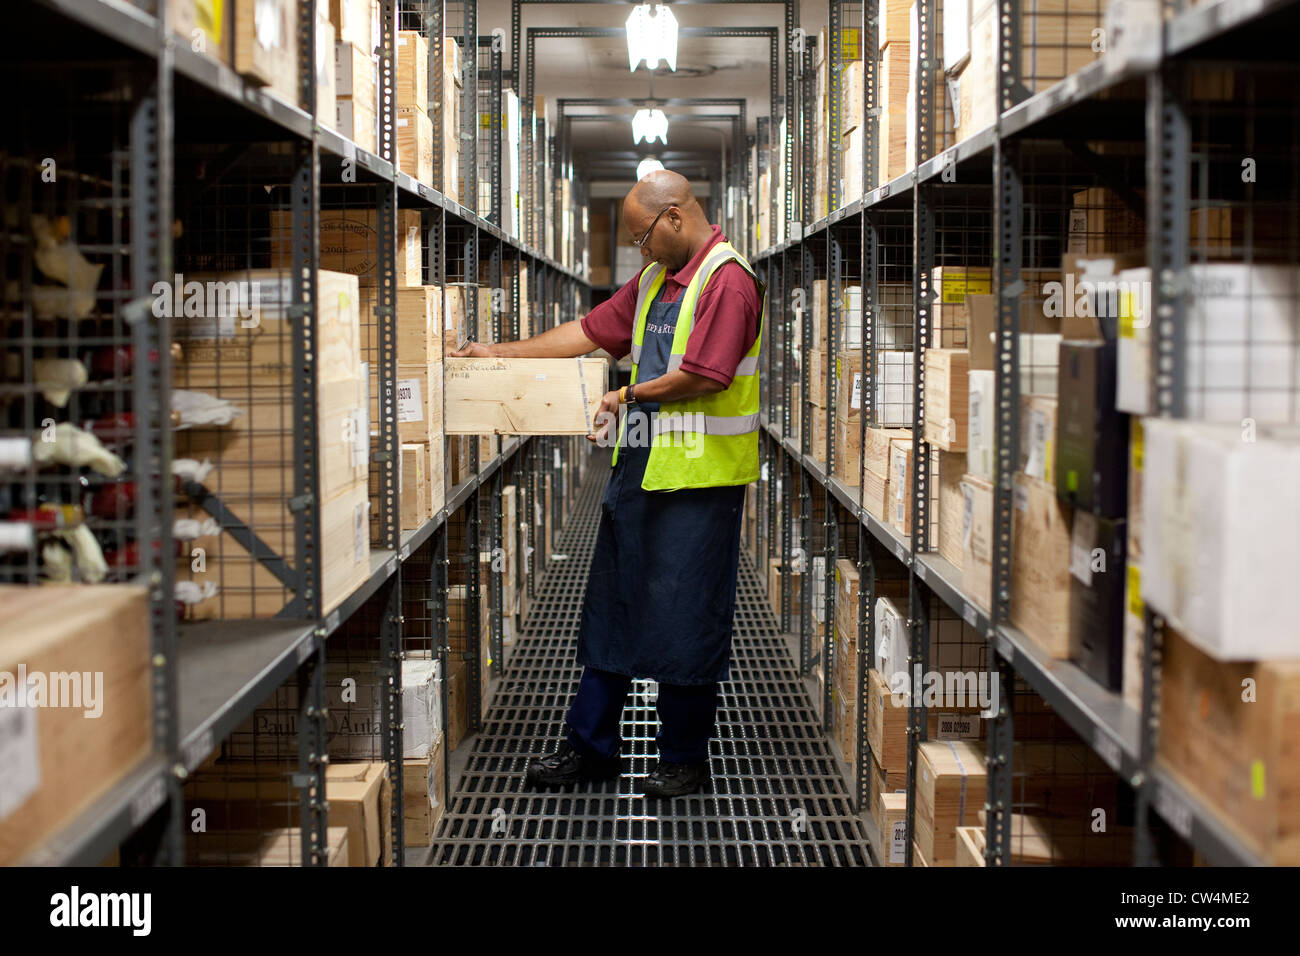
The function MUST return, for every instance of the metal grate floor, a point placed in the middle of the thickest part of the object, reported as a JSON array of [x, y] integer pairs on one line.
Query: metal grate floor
[[777, 796]]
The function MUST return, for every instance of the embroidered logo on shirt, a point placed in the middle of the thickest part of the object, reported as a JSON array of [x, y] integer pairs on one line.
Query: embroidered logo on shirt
[[659, 329]]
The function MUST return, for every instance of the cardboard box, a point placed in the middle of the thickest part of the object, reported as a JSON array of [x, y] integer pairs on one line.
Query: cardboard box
[[1040, 565], [91, 643], [1097, 577], [817, 377], [1242, 759], [949, 314], [419, 325], [977, 540], [415, 143], [1216, 560], [424, 795], [266, 45], [946, 393], [354, 20], [247, 795], [213, 22], [950, 790], [846, 597], [283, 847], [952, 466], [413, 72], [1092, 436], [523, 396], [891, 818], [970, 846]]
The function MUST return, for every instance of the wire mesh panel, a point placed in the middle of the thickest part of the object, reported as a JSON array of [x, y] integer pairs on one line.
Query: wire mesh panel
[[74, 495]]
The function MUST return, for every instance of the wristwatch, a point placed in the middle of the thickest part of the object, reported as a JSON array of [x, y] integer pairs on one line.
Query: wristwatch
[[625, 395]]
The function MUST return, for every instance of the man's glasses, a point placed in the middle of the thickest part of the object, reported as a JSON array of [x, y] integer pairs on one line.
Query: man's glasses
[[642, 241]]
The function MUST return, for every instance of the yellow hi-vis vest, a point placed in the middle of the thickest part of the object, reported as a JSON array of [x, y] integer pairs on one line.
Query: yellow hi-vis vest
[[710, 440]]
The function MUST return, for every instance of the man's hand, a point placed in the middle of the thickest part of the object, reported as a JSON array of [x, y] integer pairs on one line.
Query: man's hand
[[474, 350], [606, 418]]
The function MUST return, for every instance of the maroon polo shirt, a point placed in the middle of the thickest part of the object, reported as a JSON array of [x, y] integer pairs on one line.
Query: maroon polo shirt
[[726, 317]]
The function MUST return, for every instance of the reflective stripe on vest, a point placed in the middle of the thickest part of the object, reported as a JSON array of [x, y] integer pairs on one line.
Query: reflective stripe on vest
[[711, 439]]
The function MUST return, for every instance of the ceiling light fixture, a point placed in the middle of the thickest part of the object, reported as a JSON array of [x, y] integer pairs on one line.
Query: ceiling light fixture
[[647, 166], [652, 36], [650, 125]]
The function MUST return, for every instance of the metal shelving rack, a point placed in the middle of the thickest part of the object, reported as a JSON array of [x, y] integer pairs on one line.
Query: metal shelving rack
[[1120, 735], [211, 675]]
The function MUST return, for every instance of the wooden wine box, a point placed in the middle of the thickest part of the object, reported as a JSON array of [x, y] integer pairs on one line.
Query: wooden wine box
[[92, 725], [946, 396], [950, 791], [523, 396]]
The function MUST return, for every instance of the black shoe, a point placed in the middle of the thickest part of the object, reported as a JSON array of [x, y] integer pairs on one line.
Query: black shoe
[[567, 765], [676, 779]]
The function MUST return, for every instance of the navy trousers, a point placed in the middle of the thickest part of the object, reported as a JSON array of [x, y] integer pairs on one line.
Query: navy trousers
[[686, 717]]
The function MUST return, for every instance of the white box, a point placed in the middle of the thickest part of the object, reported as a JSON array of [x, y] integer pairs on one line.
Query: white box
[[1243, 325], [1221, 536], [892, 640], [981, 412], [421, 706]]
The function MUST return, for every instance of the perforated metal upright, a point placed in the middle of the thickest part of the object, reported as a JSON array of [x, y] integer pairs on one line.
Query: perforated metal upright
[[922, 296], [305, 504]]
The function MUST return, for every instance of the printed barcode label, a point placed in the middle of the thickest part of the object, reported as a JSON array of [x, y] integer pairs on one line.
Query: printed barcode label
[[855, 397], [410, 406], [898, 842], [958, 726]]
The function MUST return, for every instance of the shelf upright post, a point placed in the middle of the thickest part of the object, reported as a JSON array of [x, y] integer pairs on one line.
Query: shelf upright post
[[1168, 189], [151, 168], [387, 455], [1008, 287], [922, 299], [793, 45], [433, 21], [494, 139], [312, 757], [834, 119]]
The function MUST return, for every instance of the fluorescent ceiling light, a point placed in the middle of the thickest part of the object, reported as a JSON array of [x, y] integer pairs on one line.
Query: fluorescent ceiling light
[[647, 166], [650, 125], [651, 36]]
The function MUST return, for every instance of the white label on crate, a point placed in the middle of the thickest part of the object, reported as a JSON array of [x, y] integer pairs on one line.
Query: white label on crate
[[1081, 539], [540, 376], [855, 397], [201, 328], [898, 842], [402, 122], [1036, 464], [360, 436], [967, 512], [410, 403], [360, 533], [958, 726], [413, 261], [19, 756], [557, 457]]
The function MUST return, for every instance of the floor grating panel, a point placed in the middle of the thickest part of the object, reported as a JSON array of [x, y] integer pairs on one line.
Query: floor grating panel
[[777, 797]]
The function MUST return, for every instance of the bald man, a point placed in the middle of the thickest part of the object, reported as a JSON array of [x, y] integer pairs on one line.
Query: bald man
[[661, 591]]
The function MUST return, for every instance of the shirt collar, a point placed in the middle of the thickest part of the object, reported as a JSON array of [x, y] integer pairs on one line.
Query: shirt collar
[[683, 276]]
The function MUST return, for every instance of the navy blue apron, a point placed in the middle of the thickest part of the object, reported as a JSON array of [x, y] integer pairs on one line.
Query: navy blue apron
[[661, 593]]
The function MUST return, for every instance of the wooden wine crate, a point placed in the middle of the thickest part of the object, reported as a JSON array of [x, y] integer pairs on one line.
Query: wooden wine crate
[[60, 759], [523, 396], [946, 396], [950, 791]]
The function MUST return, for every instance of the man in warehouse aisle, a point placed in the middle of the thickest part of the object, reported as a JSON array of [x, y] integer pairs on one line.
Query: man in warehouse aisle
[[661, 591]]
